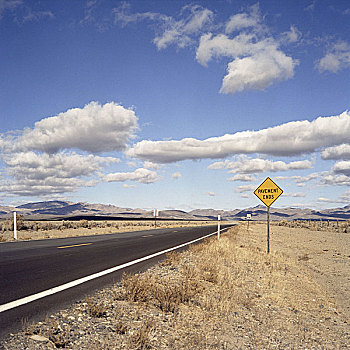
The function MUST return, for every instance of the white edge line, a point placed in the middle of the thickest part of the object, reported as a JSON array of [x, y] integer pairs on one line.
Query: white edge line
[[45, 293]]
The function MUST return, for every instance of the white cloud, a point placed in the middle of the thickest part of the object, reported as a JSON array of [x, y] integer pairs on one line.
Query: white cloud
[[336, 59], [244, 20], [150, 165], [30, 165], [292, 36], [176, 175], [257, 59], [289, 139], [342, 167], [257, 62], [140, 175], [337, 152], [344, 198], [335, 180], [33, 174], [46, 187], [123, 15], [245, 165], [129, 186], [294, 195], [245, 188], [299, 179], [242, 177], [9, 5], [258, 71], [193, 19], [180, 32], [94, 129]]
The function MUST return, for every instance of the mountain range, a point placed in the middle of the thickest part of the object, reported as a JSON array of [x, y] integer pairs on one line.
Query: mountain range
[[69, 210]]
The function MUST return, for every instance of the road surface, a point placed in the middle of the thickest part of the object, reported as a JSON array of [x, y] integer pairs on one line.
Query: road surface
[[27, 268]]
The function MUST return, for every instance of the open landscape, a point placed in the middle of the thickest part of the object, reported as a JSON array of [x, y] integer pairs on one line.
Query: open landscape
[[226, 294], [131, 131]]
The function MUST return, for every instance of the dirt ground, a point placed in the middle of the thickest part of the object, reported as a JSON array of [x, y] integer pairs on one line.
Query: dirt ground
[[325, 255]]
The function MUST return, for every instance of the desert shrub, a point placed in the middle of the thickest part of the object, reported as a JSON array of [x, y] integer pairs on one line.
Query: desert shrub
[[140, 339], [83, 223], [136, 287], [95, 309], [165, 293]]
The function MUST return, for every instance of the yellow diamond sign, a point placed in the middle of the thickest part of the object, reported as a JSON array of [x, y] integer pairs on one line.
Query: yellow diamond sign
[[268, 192]]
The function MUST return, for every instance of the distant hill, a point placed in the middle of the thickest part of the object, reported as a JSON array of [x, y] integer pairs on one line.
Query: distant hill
[[64, 210]]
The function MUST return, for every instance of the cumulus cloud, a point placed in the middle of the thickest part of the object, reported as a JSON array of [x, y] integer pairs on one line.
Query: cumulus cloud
[[336, 59], [242, 177], [258, 60], [300, 180], [94, 129], [245, 188], [245, 165], [239, 21], [46, 187], [33, 174], [342, 167], [294, 195], [35, 163], [141, 175], [150, 165], [176, 175], [337, 152], [257, 71], [129, 186], [30, 165], [335, 180], [289, 139]]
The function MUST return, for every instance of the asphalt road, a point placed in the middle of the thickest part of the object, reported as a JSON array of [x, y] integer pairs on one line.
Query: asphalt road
[[27, 268]]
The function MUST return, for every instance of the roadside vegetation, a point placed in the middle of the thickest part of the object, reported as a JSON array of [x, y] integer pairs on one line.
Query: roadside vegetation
[[318, 225], [27, 230], [219, 294]]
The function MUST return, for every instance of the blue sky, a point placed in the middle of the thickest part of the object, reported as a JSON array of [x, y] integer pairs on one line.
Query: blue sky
[[174, 104]]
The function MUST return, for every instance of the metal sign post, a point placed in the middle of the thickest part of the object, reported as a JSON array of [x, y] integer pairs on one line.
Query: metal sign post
[[268, 192], [268, 229]]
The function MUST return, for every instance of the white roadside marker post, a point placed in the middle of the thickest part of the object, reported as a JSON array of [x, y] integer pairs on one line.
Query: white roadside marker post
[[14, 226], [155, 213], [219, 219]]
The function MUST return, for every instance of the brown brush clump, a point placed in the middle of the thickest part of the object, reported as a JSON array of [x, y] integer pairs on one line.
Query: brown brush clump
[[318, 225], [95, 309]]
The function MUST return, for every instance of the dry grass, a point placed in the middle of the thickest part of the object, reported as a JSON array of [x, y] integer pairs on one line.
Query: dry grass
[[27, 230], [318, 225], [95, 309]]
